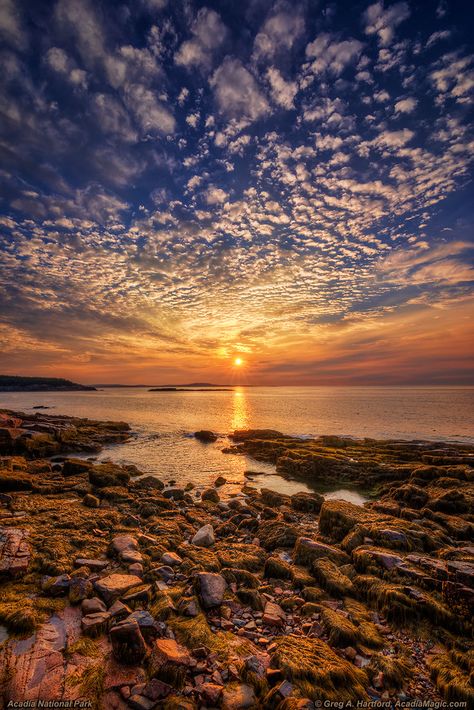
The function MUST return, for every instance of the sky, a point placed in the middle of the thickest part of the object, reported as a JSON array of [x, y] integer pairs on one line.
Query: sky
[[184, 183]]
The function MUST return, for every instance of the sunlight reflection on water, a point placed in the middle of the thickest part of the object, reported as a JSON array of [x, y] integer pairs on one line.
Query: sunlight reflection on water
[[165, 422]]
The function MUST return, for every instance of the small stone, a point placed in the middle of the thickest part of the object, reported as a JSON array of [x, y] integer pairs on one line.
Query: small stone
[[273, 615], [122, 543], [211, 495], [93, 564], [171, 559], [220, 481], [156, 689], [91, 501]]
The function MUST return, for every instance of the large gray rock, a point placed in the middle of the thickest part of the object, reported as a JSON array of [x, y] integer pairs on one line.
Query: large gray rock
[[204, 537], [211, 588]]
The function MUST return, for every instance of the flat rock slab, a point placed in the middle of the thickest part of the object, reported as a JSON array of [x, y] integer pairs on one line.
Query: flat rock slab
[[14, 552], [113, 586]]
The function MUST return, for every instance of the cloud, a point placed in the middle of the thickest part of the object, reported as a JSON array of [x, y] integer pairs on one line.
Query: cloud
[[393, 139], [384, 22], [152, 115], [279, 32], [406, 105], [436, 264], [332, 55], [11, 28], [209, 34], [237, 93], [283, 92], [215, 195], [78, 18]]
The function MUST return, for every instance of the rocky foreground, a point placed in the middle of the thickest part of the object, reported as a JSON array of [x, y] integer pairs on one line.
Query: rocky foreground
[[135, 593]]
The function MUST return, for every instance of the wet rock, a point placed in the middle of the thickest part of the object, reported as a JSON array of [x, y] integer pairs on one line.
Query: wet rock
[[273, 499], [204, 537], [91, 501], [205, 436], [211, 588], [15, 552], [174, 493], [150, 482], [211, 495], [220, 481], [115, 585], [128, 644], [108, 475]]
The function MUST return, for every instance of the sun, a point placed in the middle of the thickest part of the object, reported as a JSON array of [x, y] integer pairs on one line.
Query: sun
[[238, 362]]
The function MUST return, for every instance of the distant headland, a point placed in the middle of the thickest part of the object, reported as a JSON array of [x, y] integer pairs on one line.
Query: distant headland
[[15, 383]]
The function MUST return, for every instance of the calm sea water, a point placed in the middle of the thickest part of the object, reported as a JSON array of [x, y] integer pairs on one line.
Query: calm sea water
[[165, 422]]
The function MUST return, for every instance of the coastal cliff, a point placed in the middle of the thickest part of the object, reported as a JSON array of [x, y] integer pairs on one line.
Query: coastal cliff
[[134, 593]]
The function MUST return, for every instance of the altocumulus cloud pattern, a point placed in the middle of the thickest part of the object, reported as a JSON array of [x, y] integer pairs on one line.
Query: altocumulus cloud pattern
[[183, 179]]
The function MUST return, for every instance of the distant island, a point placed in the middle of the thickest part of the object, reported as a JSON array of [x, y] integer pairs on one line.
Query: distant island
[[209, 388], [190, 385], [15, 383]]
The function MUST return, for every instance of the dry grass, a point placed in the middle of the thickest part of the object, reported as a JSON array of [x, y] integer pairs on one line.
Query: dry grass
[[331, 578], [453, 674], [317, 671]]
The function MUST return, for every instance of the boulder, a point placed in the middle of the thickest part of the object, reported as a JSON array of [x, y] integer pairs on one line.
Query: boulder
[[128, 644], [275, 533], [204, 537], [149, 627], [211, 588], [115, 585], [308, 550]]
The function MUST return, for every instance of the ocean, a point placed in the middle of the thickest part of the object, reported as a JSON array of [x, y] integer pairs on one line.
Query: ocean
[[164, 423]]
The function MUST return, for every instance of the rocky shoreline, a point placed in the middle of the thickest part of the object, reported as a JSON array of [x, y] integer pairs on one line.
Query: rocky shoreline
[[131, 592]]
